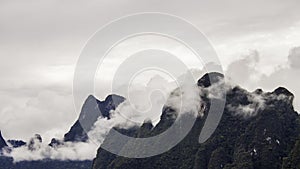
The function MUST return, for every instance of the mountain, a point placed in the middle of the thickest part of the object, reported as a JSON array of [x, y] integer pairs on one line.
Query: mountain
[[258, 130], [8, 163], [2, 142], [293, 160], [91, 110], [16, 143]]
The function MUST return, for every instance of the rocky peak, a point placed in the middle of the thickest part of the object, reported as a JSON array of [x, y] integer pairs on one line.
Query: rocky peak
[[147, 125], [55, 142], [210, 78], [16, 143], [284, 91], [116, 99], [35, 142], [284, 94], [258, 91], [262, 141], [280, 98], [94, 108], [91, 110], [110, 103]]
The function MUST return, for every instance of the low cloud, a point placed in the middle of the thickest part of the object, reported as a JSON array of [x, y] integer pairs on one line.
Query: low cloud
[[256, 103], [68, 151], [185, 99]]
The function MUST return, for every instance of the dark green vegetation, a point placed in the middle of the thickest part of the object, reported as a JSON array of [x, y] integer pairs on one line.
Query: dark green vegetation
[[256, 137], [7, 163], [267, 138], [293, 160]]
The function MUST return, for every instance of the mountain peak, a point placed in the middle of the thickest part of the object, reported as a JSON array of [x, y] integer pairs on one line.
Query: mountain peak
[[91, 110], [258, 91], [284, 91], [2, 142], [210, 78], [114, 98], [91, 97], [262, 141], [16, 143], [282, 97]]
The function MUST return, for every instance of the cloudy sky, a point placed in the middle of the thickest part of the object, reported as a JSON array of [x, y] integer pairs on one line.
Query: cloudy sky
[[40, 42]]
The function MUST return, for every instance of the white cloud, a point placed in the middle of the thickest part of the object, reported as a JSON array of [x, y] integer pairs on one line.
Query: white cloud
[[42, 113], [257, 103], [294, 58], [38, 51], [185, 99], [284, 76]]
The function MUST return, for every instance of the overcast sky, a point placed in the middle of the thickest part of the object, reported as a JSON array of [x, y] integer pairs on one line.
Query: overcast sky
[[40, 42]]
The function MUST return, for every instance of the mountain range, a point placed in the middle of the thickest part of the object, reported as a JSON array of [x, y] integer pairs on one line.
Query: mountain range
[[91, 110], [249, 136], [258, 130]]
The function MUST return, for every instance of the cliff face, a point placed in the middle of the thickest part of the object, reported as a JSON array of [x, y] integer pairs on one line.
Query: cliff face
[[2, 142], [91, 110], [257, 130]]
